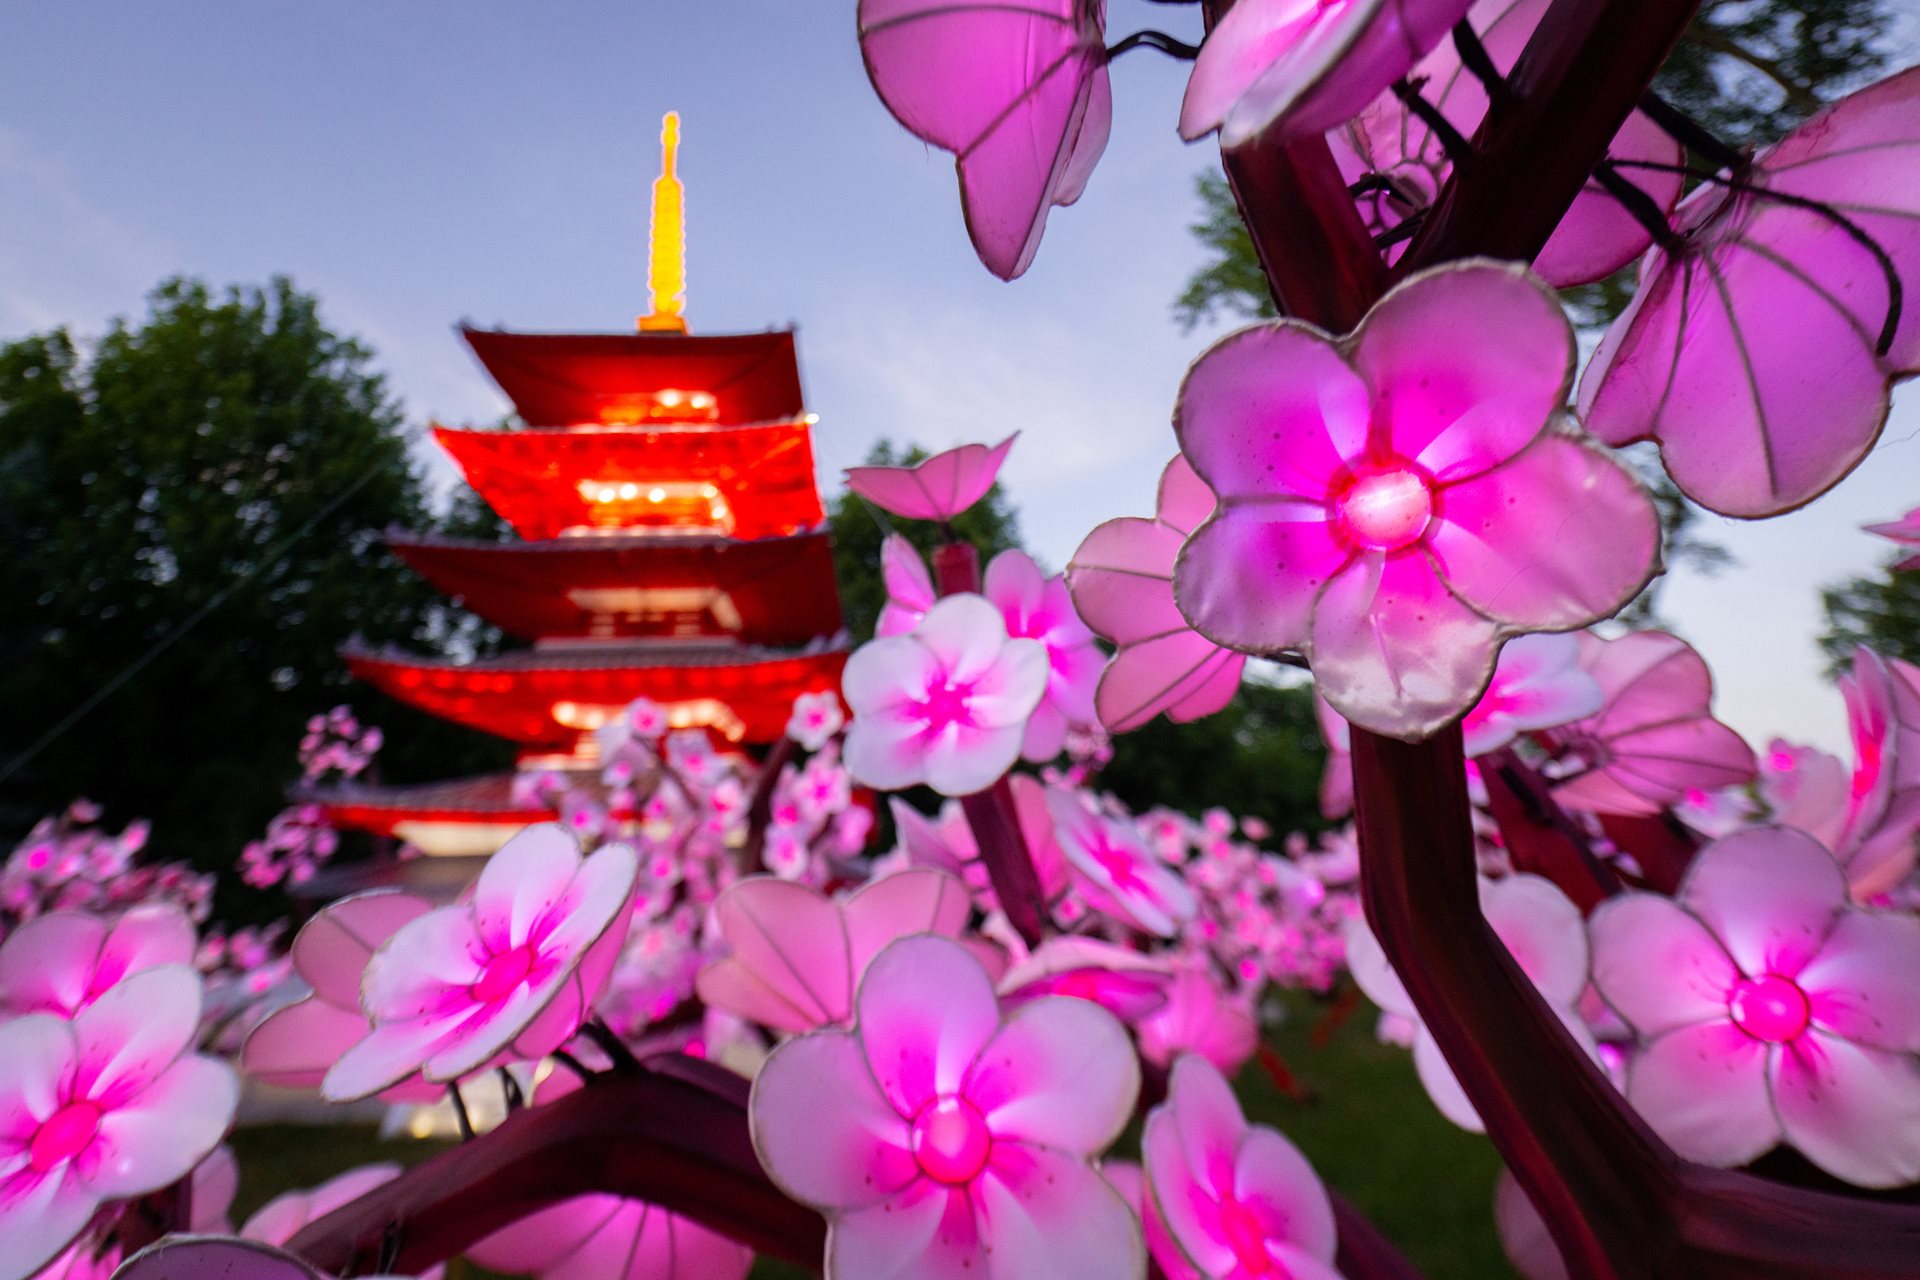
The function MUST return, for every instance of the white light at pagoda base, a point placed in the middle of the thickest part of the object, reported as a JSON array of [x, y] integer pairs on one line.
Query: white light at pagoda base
[[692, 713], [455, 839]]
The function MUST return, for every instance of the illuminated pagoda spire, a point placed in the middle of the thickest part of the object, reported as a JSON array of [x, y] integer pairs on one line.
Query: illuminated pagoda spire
[[672, 546], [667, 239]]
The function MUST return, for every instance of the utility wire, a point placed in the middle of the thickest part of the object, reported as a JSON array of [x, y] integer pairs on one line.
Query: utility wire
[[173, 637]]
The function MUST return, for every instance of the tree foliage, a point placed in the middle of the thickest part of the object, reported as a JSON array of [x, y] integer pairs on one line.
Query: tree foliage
[[1259, 757], [203, 493], [1881, 612]]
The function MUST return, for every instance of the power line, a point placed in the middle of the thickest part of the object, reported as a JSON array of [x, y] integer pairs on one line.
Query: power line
[[199, 615]]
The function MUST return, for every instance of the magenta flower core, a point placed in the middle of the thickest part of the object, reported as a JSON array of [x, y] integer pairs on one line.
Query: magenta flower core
[[64, 1135], [1387, 509], [1771, 1008], [950, 1140]]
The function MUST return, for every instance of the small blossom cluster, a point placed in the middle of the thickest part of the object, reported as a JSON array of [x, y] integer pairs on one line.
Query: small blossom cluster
[[67, 863], [299, 839]]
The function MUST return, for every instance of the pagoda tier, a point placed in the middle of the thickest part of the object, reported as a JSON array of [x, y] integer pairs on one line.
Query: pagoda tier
[[461, 816], [552, 696], [570, 379], [738, 482], [769, 591]]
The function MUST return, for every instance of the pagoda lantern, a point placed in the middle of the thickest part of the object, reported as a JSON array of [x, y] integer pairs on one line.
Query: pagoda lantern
[[671, 545]]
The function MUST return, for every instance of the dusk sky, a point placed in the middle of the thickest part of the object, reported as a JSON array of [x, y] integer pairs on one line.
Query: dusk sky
[[421, 163]]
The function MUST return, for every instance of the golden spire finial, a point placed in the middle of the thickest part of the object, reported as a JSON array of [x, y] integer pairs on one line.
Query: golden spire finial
[[667, 249]]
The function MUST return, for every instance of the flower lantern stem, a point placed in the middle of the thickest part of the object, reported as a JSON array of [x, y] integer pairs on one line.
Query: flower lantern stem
[[990, 813]]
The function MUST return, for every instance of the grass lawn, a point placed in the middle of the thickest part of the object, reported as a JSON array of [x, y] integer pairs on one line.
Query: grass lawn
[[1367, 1126]]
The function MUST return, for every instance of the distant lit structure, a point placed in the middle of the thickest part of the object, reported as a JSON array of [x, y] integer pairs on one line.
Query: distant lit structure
[[673, 547]]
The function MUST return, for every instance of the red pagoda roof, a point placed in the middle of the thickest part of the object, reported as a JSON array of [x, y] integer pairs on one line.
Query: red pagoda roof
[[744, 482], [484, 799], [549, 697], [567, 379], [769, 591]]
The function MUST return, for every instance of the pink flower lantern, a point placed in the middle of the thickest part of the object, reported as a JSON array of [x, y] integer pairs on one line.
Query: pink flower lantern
[[942, 1139], [62, 962], [1770, 1010], [1760, 349], [1655, 738], [515, 970], [297, 1043], [1394, 505], [1018, 93], [1877, 836], [1905, 534], [1199, 1016], [1539, 684], [1234, 1201], [1115, 869], [1305, 66], [1121, 579], [939, 488], [1037, 607], [816, 718], [945, 705], [796, 956], [110, 1105]]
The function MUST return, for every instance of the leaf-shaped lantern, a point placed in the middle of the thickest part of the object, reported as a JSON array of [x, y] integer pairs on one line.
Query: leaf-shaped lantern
[[1762, 345], [1016, 89]]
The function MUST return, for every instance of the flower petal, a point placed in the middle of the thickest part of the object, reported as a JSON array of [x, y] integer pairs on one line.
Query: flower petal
[[1704, 1089], [162, 1132], [1456, 403], [40, 1216], [791, 939], [822, 1127], [1394, 651], [135, 1031], [1865, 984], [926, 1232], [1658, 966], [1770, 894], [1042, 1213], [1273, 411], [1272, 1177], [332, 949], [1060, 1073], [926, 1010], [522, 882], [1557, 537], [1852, 1110], [1249, 577]]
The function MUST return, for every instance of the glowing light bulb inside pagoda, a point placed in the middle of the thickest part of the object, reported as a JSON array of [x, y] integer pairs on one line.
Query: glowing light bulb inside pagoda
[[666, 249]]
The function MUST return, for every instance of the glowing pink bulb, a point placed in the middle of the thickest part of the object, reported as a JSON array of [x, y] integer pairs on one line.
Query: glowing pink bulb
[[950, 1140], [65, 1134], [503, 973], [1386, 510], [1248, 1240], [1772, 1008]]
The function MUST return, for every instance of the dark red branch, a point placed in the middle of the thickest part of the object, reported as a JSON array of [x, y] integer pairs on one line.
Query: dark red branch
[[1539, 836], [1578, 79], [1593, 1169], [1320, 262], [673, 1135]]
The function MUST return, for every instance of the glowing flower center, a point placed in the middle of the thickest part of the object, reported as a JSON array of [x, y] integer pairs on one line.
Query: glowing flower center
[[503, 974], [950, 1140], [947, 704], [1772, 1008], [65, 1135], [1386, 510], [1120, 864], [1248, 1240]]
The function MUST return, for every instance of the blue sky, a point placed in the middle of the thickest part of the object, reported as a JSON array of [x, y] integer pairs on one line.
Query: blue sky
[[421, 163]]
